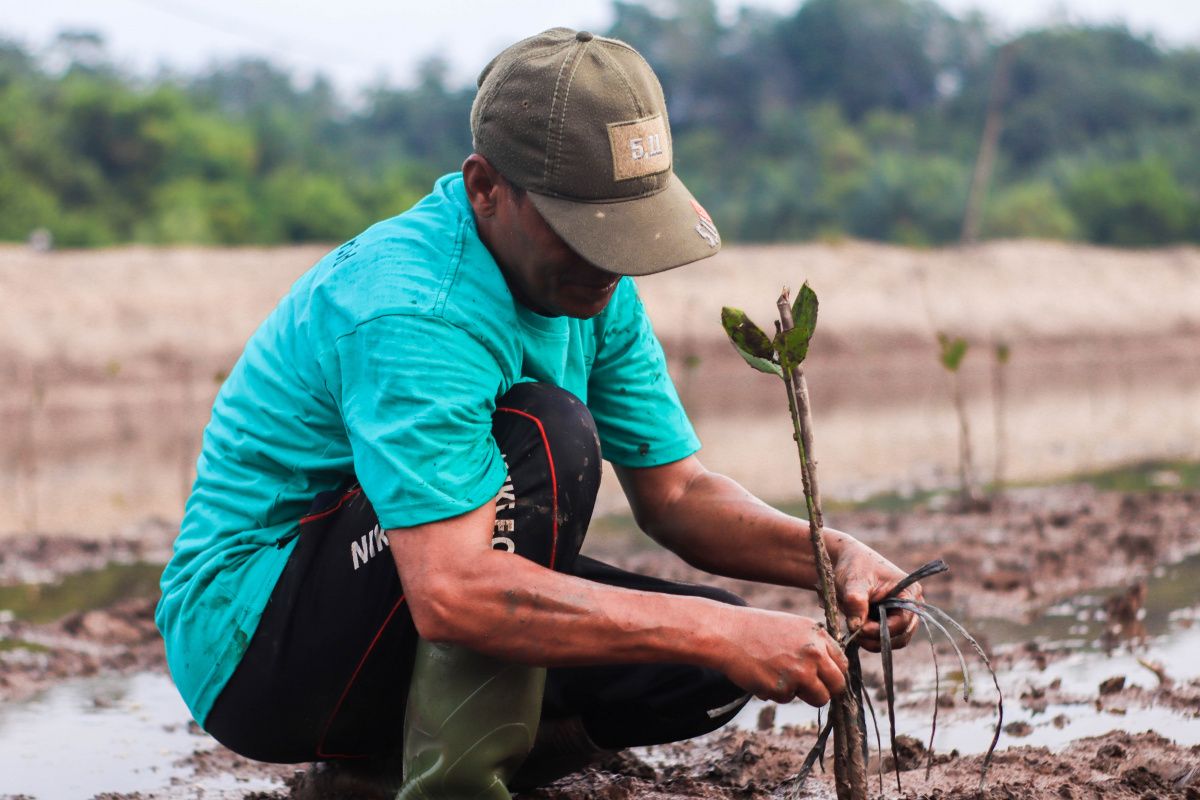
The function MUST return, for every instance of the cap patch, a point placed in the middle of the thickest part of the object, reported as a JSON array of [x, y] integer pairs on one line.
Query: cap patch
[[640, 147], [706, 227]]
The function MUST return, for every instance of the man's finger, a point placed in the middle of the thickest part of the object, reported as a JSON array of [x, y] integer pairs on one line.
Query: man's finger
[[901, 622], [814, 693], [832, 671], [905, 635], [854, 602], [839, 657]]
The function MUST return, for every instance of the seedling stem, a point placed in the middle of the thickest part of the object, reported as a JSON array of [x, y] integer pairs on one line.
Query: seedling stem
[[850, 771]]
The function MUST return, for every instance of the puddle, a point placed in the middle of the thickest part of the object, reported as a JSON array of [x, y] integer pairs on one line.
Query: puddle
[[118, 734], [82, 591], [1172, 599], [1171, 622]]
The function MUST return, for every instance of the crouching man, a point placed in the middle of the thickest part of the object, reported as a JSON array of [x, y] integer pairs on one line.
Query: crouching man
[[379, 564]]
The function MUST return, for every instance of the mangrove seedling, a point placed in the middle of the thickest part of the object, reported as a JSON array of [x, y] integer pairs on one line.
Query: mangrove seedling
[[953, 350], [782, 356]]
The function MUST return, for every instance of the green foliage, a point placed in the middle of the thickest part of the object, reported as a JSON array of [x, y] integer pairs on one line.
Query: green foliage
[[952, 351], [1071, 86], [192, 210], [792, 344], [838, 118], [1132, 203], [916, 200], [804, 311], [749, 340], [778, 356], [25, 204], [311, 207], [870, 54], [1029, 210]]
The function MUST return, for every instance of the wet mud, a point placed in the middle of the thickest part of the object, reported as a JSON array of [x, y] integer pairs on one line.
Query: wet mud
[[758, 767], [1010, 565]]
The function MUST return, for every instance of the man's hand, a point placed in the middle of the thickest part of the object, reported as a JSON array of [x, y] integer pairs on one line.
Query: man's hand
[[863, 577], [780, 657]]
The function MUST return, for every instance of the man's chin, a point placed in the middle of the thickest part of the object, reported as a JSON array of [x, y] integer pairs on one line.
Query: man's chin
[[580, 305]]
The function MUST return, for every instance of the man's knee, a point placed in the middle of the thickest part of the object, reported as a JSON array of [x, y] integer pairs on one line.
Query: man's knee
[[561, 418], [552, 451]]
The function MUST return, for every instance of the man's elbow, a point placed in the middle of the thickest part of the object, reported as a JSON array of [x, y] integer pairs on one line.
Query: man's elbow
[[658, 495], [439, 612]]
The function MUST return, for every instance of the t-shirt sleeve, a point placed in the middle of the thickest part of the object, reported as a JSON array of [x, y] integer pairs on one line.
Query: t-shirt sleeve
[[638, 414], [417, 396]]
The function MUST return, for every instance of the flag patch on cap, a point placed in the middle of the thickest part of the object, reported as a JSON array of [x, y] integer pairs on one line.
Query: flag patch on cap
[[640, 147], [706, 227]]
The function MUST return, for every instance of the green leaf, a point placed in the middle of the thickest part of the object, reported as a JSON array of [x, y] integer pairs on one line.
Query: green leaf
[[749, 340], [793, 344], [793, 347], [804, 310], [953, 351]]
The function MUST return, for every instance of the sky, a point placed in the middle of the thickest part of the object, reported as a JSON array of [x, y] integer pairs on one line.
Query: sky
[[359, 43]]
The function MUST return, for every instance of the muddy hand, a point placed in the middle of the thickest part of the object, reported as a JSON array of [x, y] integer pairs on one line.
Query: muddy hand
[[781, 657], [864, 577]]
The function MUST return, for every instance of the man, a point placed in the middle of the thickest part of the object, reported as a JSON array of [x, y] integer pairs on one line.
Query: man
[[379, 560]]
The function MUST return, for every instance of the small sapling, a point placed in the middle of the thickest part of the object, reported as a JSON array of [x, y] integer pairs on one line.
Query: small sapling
[[953, 350], [782, 357]]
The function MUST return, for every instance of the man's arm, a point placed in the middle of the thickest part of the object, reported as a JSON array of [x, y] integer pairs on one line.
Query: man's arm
[[460, 590], [716, 525]]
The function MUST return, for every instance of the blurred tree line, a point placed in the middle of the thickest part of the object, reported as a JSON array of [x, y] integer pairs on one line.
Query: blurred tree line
[[845, 118]]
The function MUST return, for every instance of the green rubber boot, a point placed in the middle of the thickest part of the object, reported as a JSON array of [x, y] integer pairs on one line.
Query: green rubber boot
[[470, 722]]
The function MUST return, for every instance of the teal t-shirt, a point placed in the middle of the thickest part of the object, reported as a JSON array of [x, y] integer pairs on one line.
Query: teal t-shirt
[[385, 361]]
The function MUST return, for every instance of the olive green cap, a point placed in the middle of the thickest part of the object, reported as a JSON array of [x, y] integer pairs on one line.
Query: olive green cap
[[579, 122]]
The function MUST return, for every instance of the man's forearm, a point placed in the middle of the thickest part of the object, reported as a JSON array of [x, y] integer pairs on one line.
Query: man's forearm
[[460, 590], [512, 608], [716, 525]]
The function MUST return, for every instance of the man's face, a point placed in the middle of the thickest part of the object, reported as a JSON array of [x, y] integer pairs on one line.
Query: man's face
[[543, 272]]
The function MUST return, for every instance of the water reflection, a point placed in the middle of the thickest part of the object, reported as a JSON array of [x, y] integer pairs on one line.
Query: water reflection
[[109, 734]]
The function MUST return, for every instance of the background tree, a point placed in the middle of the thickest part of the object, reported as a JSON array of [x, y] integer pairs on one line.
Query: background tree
[[839, 118]]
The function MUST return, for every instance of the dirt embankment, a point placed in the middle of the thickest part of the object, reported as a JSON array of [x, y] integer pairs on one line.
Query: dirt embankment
[[109, 361], [88, 309]]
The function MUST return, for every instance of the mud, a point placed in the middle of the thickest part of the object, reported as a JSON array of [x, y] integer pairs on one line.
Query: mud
[[120, 639], [1033, 548], [759, 766]]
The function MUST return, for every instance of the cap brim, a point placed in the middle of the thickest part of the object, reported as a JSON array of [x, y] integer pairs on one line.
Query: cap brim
[[634, 237]]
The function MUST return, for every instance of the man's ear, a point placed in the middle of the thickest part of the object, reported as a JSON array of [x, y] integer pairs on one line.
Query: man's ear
[[483, 184]]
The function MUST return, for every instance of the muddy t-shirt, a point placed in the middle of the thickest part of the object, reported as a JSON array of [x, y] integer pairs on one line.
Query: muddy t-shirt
[[385, 361]]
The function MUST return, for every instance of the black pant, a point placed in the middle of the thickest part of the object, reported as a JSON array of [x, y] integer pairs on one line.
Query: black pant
[[326, 674]]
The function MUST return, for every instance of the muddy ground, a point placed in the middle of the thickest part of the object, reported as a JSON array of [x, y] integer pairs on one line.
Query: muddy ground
[[1036, 547]]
